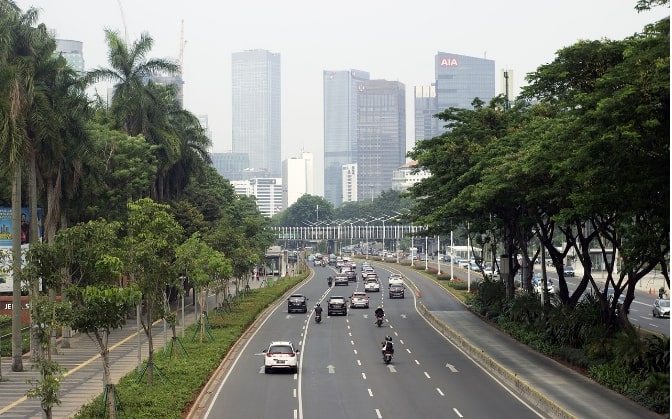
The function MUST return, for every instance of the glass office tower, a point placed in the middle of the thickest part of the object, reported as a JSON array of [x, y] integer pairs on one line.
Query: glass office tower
[[460, 79], [381, 135], [256, 109], [340, 128]]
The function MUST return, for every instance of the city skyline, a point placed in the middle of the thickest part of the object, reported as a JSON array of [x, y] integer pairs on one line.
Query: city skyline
[[391, 43]]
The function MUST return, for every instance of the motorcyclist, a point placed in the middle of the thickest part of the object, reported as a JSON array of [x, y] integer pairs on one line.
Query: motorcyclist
[[379, 312], [329, 281], [388, 346], [318, 310]]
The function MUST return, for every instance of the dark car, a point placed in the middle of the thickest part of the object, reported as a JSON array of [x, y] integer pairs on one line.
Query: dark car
[[396, 291], [569, 271], [352, 275], [298, 303], [337, 305]]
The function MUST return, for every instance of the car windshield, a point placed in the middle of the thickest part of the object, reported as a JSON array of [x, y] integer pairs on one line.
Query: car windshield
[[664, 303], [280, 349]]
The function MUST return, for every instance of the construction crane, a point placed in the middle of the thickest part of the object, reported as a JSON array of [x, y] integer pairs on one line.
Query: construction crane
[[123, 20], [180, 58]]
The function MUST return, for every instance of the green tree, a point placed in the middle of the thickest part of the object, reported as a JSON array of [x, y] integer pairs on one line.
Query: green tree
[[152, 237], [203, 266], [138, 105], [17, 71]]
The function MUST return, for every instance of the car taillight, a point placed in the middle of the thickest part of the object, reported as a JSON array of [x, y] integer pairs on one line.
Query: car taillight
[[292, 355], [268, 354]]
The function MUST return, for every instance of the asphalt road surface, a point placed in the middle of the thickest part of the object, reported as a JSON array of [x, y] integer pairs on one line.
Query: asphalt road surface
[[341, 371]]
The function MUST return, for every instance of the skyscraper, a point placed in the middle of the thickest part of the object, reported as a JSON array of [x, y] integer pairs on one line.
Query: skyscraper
[[340, 128], [458, 80], [256, 109], [381, 135], [72, 51], [297, 178], [426, 125]]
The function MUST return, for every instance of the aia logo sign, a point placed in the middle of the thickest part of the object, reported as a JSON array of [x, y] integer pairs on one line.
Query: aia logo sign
[[448, 62]]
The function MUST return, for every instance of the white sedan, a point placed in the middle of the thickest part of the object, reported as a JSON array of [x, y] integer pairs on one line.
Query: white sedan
[[372, 285]]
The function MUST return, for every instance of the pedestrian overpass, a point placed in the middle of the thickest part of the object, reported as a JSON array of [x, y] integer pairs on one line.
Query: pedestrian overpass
[[342, 235]]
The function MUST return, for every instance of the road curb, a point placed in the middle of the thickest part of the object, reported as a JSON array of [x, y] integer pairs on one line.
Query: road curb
[[200, 404], [520, 387]]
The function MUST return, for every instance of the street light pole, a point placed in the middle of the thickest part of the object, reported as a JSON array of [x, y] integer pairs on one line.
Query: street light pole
[[469, 265], [426, 253]]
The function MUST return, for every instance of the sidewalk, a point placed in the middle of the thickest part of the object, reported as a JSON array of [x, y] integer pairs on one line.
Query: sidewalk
[[83, 380]]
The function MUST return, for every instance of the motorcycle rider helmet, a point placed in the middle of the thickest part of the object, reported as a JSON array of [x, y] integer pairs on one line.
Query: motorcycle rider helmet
[[318, 304], [388, 338], [380, 307]]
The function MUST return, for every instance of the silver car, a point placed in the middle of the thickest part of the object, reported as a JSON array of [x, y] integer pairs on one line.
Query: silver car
[[661, 308]]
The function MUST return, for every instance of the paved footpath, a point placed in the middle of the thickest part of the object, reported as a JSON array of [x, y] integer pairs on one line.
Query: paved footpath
[[83, 380]]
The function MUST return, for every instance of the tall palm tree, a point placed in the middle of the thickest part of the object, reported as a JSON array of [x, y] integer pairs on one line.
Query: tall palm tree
[[192, 156], [17, 64], [135, 103]]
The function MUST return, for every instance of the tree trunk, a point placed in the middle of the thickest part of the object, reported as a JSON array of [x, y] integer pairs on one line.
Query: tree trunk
[[17, 351], [36, 349], [150, 346], [107, 375]]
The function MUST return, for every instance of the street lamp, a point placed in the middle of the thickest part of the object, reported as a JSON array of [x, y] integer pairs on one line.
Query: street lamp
[[383, 220]]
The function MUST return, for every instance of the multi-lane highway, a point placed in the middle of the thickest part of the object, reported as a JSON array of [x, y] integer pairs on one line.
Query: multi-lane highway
[[341, 373]]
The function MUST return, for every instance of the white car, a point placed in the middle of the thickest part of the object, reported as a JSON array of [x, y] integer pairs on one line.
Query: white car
[[366, 271], [372, 285], [395, 279], [281, 355], [359, 299]]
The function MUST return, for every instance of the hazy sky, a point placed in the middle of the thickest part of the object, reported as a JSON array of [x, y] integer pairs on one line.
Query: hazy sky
[[393, 40]]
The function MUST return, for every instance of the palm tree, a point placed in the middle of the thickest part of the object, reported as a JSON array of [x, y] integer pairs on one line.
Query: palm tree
[[136, 103], [17, 68]]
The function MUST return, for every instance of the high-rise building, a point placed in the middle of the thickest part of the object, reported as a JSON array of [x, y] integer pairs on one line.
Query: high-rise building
[[340, 127], [230, 166], [256, 109], [426, 125], [297, 178], [381, 135], [267, 192], [459, 79], [73, 52], [203, 120]]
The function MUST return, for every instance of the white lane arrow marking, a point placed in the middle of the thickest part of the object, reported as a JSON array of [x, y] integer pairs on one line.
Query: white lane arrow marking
[[403, 316], [289, 316], [330, 368], [261, 370], [391, 368], [452, 368]]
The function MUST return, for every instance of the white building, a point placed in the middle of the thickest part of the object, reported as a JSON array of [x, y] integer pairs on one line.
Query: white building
[[406, 176], [349, 186], [267, 191], [297, 178]]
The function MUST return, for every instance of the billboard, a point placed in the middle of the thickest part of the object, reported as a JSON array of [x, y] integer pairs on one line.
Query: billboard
[[7, 231]]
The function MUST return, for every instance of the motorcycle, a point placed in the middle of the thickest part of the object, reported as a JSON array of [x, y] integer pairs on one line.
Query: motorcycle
[[379, 321], [329, 282], [318, 317], [387, 356]]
